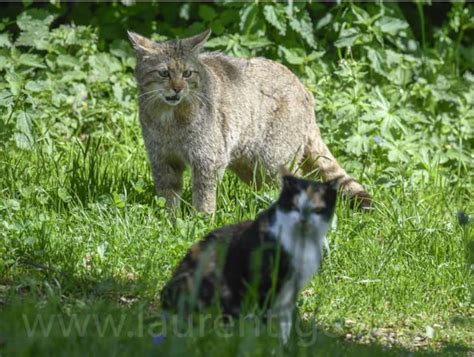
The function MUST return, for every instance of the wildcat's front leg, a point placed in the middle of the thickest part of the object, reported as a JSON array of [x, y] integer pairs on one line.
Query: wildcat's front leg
[[204, 189], [168, 177]]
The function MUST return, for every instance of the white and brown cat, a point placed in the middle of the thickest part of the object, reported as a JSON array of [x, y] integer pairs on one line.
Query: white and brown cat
[[211, 112], [258, 266]]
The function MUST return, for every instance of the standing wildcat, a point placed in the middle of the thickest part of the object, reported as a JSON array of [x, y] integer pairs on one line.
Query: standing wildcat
[[211, 111], [267, 260]]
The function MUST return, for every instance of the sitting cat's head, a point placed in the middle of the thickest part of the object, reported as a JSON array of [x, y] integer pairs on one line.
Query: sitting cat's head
[[305, 205], [169, 71]]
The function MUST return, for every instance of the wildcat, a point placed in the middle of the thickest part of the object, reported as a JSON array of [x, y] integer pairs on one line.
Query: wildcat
[[211, 112], [270, 258]]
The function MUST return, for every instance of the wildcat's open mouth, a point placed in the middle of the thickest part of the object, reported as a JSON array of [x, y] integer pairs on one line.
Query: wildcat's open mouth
[[175, 99]]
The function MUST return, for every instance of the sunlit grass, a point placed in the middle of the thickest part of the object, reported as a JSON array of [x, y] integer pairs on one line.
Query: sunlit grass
[[83, 234]]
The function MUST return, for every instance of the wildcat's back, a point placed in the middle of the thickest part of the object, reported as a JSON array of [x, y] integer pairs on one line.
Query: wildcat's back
[[267, 109]]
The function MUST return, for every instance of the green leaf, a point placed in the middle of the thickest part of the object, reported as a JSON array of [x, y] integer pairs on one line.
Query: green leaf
[[217, 27], [326, 20], [254, 42], [6, 98], [184, 11], [23, 122], [15, 81], [118, 92], [5, 40], [34, 25], [375, 60], [304, 27], [391, 25], [64, 195], [34, 19], [5, 62], [103, 65], [31, 60], [206, 12], [275, 17], [216, 42], [347, 38], [248, 15], [118, 199], [291, 56], [35, 86], [67, 61], [23, 136]]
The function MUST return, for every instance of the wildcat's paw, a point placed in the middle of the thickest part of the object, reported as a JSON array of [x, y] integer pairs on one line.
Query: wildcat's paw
[[361, 200]]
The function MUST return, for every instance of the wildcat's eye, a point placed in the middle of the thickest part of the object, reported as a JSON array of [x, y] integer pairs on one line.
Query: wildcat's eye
[[187, 74], [164, 73]]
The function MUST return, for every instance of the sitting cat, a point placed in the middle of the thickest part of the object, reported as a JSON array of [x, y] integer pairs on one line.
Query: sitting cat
[[213, 112], [270, 258]]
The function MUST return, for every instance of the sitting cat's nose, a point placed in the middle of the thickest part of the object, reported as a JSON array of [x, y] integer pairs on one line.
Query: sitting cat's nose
[[177, 90]]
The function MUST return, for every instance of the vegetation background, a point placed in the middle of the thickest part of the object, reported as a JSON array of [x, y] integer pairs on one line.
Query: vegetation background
[[85, 245]]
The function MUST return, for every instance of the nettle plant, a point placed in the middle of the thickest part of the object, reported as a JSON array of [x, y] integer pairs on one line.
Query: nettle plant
[[57, 82]]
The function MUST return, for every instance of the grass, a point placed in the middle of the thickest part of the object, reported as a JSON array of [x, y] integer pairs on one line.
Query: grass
[[84, 239]]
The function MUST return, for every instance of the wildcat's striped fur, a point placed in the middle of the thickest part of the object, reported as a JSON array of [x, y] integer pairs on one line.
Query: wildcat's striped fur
[[211, 112]]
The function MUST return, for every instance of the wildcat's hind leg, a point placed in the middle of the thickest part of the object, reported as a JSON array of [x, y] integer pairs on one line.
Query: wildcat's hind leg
[[317, 155]]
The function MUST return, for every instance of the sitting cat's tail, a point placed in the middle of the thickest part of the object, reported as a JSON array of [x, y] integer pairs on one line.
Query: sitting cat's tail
[[318, 156]]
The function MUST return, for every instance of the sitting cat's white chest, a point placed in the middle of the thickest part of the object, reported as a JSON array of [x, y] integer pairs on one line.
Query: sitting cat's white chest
[[306, 260], [303, 241]]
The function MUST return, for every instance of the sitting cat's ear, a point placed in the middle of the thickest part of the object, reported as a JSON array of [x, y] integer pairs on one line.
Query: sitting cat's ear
[[285, 176], [196, 43], [284, 171], [141, 44]]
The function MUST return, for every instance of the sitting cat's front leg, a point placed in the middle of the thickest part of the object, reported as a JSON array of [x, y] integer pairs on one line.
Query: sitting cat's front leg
[[204, 188], [286, 322]]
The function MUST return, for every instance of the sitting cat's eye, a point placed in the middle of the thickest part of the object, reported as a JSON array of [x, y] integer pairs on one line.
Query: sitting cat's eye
[[187, 74], [318, 210], [164, 73]]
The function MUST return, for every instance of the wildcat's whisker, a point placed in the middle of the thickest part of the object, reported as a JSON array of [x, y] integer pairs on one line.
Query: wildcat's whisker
[[149, 92], [150, 100], [204, 99], [197, 98]]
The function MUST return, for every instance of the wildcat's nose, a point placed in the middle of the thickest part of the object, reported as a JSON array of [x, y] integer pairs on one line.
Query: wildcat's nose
[[177, 89]]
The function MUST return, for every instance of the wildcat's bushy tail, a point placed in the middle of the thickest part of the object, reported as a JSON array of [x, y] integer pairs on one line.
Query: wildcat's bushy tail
[[318, 156]]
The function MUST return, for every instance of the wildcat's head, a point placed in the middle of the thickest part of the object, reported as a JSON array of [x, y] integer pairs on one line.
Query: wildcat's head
[[168, 71], [306, 205]]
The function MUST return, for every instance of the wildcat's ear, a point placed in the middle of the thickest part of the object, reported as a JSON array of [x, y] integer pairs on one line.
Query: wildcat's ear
[[141, 44], [196, 43]]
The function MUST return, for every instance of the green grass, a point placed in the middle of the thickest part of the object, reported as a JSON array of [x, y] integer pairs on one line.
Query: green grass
[[86, 246], [83, 235]]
